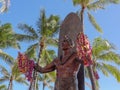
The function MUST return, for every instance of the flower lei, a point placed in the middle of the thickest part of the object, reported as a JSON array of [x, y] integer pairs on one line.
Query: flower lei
[[25, 66], [84, 50]]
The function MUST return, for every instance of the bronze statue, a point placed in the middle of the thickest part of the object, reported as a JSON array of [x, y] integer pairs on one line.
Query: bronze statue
[[67, 67]]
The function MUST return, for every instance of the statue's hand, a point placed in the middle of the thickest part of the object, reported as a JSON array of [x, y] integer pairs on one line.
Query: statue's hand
[[37, 68]]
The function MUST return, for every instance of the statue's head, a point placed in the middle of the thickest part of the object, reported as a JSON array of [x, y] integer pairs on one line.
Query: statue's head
[[67, 42]]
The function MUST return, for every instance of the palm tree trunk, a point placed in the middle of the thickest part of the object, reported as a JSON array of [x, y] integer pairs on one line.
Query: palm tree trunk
[[80, 76], [43, 85], [35, 74], [92, 79], [91, 75], [82, 18], [30, 87], [10, 83], [35, 80]]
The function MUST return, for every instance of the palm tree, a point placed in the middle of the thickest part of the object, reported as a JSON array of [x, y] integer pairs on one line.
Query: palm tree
[[7, 40], [89, 5], [105, 58], [3, 87], [12, 75], [44, 36], [46, 57], [5, 5]]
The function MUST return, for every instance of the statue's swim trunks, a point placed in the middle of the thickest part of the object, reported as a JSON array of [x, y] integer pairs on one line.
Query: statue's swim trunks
[[69, 83]]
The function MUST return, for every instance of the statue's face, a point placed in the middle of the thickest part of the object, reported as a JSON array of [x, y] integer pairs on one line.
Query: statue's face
[[65, 45]]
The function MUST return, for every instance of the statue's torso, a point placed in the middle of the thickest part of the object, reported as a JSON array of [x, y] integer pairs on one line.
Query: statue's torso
[[67, 70], [67, 67]]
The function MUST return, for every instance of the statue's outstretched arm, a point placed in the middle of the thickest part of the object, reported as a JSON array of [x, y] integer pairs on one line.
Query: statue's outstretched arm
[[48, 68]]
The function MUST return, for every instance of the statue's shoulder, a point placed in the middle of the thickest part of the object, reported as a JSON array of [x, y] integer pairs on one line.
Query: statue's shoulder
[[56, 59], [74, 54]]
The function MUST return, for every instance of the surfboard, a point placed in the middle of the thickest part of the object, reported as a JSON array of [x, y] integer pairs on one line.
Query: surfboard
[[71, 26]]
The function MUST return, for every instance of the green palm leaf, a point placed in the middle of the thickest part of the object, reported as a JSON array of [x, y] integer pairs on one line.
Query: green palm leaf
[[28, 30], [95, 5], [31, 51], [48, 26], [53, 25], [21, 37], [113, 71], [21, 80], [7, 38], [4, 71], [81, 2], [100, 4], [14, 73], [101, 46], [111, 57], [3, 87], [102, 69], [5, 5], [52, 42], [3, 79], [9, 59], [41, 24], [104, 54], [94, 23]]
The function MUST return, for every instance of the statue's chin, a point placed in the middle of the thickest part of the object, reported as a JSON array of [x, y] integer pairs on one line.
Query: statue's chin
[[65, 49]]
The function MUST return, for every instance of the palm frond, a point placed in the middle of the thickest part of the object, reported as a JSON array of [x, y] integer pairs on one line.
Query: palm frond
[[10, 43], [51, 76], [21, 80], [44, 58], [52, 42], [9, 59], [25, 38], [53, 25], [51, 53], [100, 67], [15, 71], [100, 46], [103, 42], [48, 57], [81, 2], [28, 30], [6, 27], [86, 73], [4, 71], [111, 57], [100, 4], [7, 38], [106, 2], [113, 71], [46, 83], [48, 26], [41, 23], [5, 5], [3, 79], [3, 87], [94, 23], [95, 5], [31, 51]]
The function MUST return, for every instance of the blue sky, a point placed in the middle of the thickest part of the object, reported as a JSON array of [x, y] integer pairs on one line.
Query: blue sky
[[27, 11]]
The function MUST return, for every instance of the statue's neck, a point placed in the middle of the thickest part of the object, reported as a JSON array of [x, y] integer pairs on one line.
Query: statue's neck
[[66, 52]]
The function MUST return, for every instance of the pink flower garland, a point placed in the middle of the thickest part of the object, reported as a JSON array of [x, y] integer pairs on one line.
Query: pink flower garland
[[84, 50], [25, 65]]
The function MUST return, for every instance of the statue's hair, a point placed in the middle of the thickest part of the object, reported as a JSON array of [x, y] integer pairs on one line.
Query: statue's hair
[[69, 40]]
